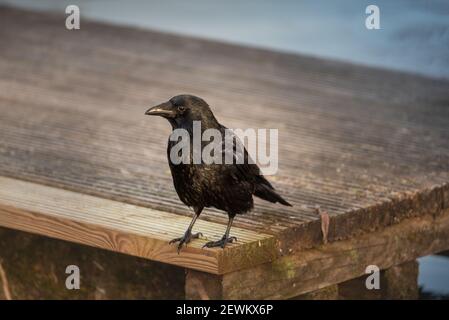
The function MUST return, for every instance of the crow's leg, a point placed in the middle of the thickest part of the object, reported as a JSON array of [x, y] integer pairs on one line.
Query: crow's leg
[[188, 235], [225, 239]]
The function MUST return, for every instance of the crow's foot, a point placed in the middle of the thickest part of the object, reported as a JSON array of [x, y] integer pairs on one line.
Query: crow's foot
[[220, 243], [185, 239]]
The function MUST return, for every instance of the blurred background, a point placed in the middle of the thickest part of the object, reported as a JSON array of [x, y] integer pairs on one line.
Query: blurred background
[[414, 37]]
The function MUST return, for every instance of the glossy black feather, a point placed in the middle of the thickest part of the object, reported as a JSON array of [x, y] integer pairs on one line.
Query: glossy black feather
[[228, 187]]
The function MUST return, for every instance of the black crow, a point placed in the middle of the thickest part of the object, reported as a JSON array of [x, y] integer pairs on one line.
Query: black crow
[[228, 187]]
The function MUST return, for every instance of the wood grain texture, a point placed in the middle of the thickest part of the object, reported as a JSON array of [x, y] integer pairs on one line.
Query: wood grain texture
[[124, 228], [399, 282], [369, 146], [312, 270], [340, 261]]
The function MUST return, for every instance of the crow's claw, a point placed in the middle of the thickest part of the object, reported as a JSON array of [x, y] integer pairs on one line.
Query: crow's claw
[[185, 239], [220, 243]]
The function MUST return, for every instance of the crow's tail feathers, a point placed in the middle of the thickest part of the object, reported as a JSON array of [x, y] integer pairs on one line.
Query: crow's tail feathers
[[267, 192]]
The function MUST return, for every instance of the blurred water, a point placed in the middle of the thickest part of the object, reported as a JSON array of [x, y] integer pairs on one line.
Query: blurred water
[[414, 35], [434, 275]]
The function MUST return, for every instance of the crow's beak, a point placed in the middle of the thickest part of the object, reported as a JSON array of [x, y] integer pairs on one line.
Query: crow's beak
[[164, 110]]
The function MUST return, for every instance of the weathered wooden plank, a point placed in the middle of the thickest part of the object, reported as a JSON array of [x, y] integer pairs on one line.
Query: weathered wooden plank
[[353, 140], [328, 293], [401, 281], [333, 263], [396, 283], [203, 286], [124, 228], [369, 146]]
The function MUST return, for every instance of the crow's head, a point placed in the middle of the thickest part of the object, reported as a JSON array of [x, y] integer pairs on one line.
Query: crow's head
[[182, 110]]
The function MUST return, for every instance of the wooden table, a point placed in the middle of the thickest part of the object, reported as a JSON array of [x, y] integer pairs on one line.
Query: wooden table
[[80, 162]]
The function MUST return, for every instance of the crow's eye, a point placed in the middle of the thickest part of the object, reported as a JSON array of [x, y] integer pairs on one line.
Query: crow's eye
[[182, 108]]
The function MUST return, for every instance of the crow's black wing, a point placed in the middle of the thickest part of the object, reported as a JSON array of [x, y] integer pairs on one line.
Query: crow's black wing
[[246, 170]]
